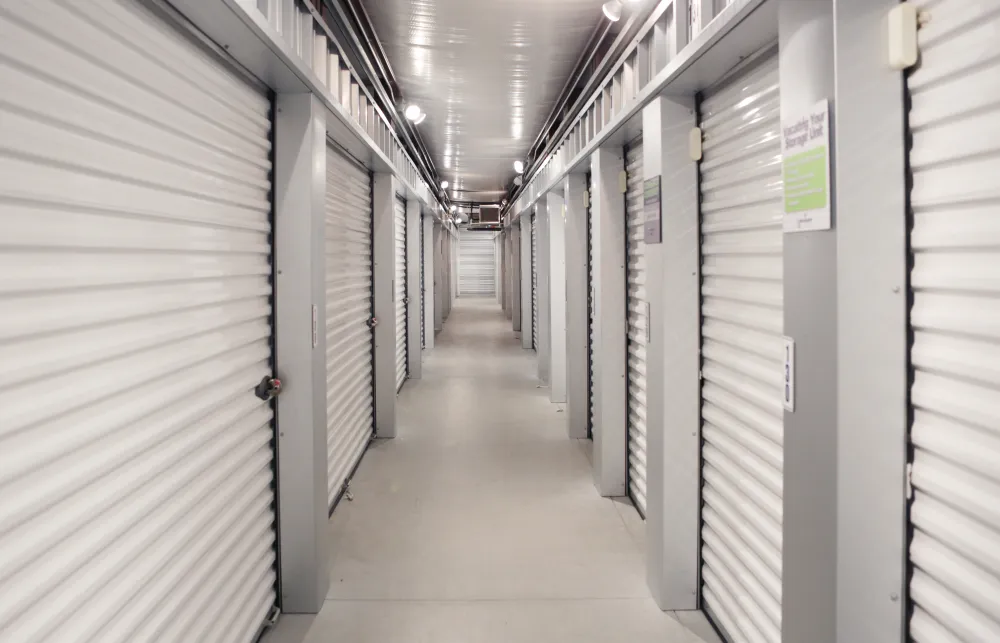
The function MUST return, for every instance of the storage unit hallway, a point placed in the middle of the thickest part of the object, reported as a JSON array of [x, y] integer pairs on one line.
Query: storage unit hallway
[[479, 521]]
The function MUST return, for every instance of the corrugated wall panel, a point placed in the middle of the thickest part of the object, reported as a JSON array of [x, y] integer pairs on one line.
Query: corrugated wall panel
[[955, 160], [637, 309], [400, 294], [350, 389], [742, 322], [135, 459], [477, 264]]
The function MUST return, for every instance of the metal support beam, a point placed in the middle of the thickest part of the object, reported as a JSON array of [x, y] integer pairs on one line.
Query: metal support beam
[[673, 360], [300, 307], [414, 354], [429, 285], [608, 212], [525, 223], [383, 249], [556, 231], [575, 189]]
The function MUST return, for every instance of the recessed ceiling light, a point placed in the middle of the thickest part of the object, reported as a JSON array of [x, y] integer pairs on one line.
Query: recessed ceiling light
[[518, 166], [412, 112], [444, 185]]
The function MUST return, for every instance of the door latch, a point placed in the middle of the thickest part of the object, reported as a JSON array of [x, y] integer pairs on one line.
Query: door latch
[[268, 388], [372, 323]]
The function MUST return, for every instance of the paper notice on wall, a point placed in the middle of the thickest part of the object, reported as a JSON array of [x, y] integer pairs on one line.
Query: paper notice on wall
[[805, 153]]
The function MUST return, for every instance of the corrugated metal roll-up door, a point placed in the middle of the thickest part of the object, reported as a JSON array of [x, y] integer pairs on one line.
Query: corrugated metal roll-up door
[[637, 309], [534, 282], [742, 322], [591, 307], [400, 293], [954, 123], [477, 264], [136, 463], [423, 302], [350, 388]]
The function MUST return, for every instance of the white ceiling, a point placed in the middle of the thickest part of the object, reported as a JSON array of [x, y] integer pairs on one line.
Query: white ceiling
[[487, 72]]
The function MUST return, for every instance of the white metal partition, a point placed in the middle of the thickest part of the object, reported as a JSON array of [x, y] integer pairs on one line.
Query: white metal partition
[[742, 354], [477, 264], [349, 367], [423, 286], [136, 464], [955, 318], [534, 281], [637, 309], [399, 286]]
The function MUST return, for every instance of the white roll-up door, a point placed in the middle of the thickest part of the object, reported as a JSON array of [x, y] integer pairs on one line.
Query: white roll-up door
[[350, 392], [637, 310], [135, 459], [954, 122], [742, 322], [423, 301], [534, 282], [400, 292], [591, 303], [477, 264]]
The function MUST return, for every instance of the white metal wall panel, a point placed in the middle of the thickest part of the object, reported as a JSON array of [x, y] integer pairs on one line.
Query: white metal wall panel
[[534, 282], [637, 309], [135, 459], [350, 392], [742, 322], [590, 307], [955, 160], [400, 292], [477, 264]]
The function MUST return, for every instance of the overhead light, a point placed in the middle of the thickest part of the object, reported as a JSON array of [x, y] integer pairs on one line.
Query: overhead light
[[612, 10], [420, 119], [518, 166], [444, 185], [412, 112], [454, 207]]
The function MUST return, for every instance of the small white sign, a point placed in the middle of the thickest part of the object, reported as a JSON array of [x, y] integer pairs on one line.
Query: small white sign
[[788, 385], [805, 154]]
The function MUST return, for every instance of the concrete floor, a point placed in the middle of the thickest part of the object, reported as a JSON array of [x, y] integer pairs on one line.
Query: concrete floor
[[480, 522]]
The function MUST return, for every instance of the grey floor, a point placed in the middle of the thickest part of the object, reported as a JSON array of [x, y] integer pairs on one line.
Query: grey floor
[[480, 523]]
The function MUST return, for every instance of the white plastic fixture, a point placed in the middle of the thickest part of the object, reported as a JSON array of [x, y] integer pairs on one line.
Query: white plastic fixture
[[612, 10], [519, 166], [903, 36], [412, 112]]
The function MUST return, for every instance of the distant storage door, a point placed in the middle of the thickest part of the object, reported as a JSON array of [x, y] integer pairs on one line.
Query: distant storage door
[[954, 123], [350, 388], [400, 293], [136, 463], [534, 282], [742, 325], [637, 307], [590, 308], [477, 264]]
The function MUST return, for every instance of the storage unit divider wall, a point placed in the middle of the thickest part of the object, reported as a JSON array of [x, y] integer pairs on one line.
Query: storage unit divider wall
[[742, 323], [534, 281], [349, 310], [137, 463]]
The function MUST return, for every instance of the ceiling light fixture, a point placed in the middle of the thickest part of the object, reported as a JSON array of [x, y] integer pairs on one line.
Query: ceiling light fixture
[[420, 119], [454, 207], [412, 112], [612, 10], [518, 180], [518, 166], [444, 185]]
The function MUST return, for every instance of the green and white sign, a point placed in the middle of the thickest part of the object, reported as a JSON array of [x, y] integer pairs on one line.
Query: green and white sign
[[805, 154]]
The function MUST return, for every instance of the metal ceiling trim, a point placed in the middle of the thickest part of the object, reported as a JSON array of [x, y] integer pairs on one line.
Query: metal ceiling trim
[[711, 52]]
